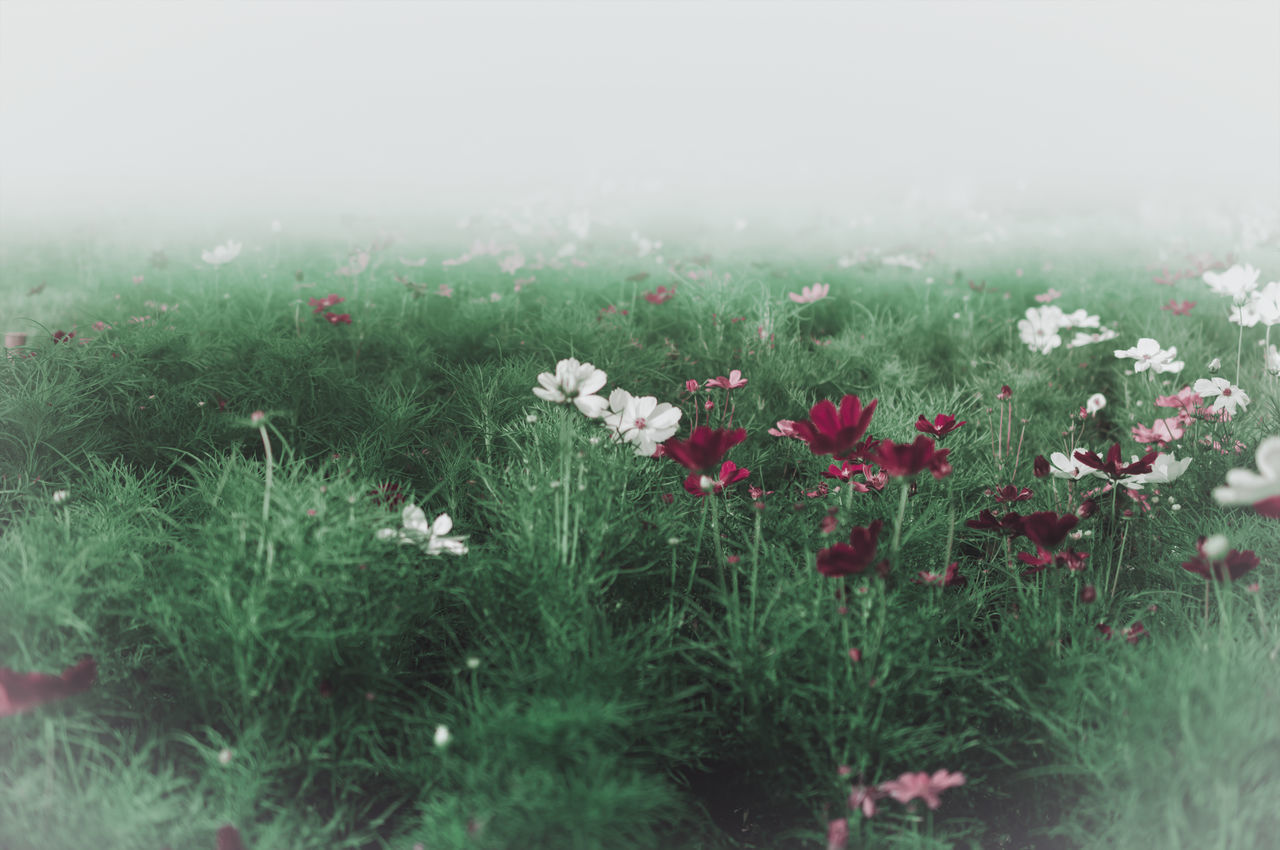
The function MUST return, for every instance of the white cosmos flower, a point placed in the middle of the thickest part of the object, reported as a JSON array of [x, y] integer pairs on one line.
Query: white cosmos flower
[[1062, 466], [1267, 302], [1246, 312], [1271, 358], [222, 254], [641, 421], [1149, 355], [1229, 396], [574, 382], [1082, 338], [1039, 330], [1246, 487], [1096, 402], [1165, 469], [428, 536], [1235, 282], [1080, 319]]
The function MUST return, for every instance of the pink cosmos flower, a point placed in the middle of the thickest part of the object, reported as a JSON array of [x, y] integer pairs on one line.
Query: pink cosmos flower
[[911, 786], [322, 304], [1186, 399], [336, 318], [1051, 295], [1183, 309], [810, 294], [733, 382], [228, 838], [1161, 431], [864, 796], [661, 295], [844, 472], [358, 262], [785, 428], [21, 692], [838, 834], [445, 290], [703, 485]]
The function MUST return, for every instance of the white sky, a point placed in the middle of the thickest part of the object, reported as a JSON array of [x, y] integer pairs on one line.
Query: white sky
[[292, 105]]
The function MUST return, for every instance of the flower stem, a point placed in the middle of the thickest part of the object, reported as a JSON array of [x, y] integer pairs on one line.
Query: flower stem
[[1239, 344], [266, 495], [905, 486], [715, 531]]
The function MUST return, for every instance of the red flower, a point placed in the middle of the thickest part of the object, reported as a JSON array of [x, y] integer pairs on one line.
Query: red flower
[[903, 459], [1041, 466], [1008, 493], [335, 318], [1089, 594], [851, 558], [663, 294], [1046, 529], [838, 834], [1010, 523], [1135, 633], [1072, 560], [910, 786], [325, 303], [1005, 393], [1233, 565], [950, 578], [830, 433], [1111, 466], [1183, 309], [21, 692], [844, 471], [62, 336], [704, 448], [1269, 508], [941, 426], [703, 485], [388, 495]]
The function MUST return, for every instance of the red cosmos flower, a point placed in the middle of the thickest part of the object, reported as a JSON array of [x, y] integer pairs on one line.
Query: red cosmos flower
[[388, 495], [903, 459], [1269, 508], [704, 485], [1231, 566], [322, 304], [1010, 523], [335, 318], [911, 786], [1135, 633], [733, 382], [1046, 529], [21, 692], [63, 336], [1040, 467], [663, 294], [950, 578], [941, 426], [1005, 393], [1072, 560], [1009, 493], [854, 557], [830, 433], [1183, 309], [844, 471], [704, 448], [1087, 509], [1111, 466]]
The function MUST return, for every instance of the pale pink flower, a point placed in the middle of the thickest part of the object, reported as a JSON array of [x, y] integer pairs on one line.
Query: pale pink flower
[[512, 263], [911, 786], [445, 289], [356, 263], [1045, 298], [733, 382], [417, 264], [785, 428], [810, 294]]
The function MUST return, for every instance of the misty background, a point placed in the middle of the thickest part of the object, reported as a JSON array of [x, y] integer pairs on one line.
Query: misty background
[[285, 110]]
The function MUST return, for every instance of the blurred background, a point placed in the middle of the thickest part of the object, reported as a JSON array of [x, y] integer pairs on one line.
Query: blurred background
[[180, 111]]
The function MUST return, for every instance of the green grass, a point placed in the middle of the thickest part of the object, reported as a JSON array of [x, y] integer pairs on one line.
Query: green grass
[[605, 681]]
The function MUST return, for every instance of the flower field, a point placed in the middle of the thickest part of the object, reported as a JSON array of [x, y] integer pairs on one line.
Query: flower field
[[552, 529]]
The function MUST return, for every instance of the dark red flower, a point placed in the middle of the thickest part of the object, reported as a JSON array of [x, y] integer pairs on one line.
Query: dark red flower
[[1036, 562], [335, 318], [704, 485], [941, 426], [322, 304], [1135, 633], [1269, 508], [62, 336], [903, 459], [1111, 466], [1009, 493], [830, 433], [1046, 529], [1231, 566], [1089, 594], [21, 692], [950, 578], [1010, 523], [663, 294], [1041, 466], [1106, 631], [388, 495], [1005, 393], [1072, 560], [704, 448], [844, 471], [851, 558], [1087, 509], [229, 838]]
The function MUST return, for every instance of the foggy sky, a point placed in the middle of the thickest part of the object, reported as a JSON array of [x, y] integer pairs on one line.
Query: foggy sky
[[375, 106]]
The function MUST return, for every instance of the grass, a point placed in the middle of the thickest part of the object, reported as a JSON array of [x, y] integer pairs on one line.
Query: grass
[[617, 663]]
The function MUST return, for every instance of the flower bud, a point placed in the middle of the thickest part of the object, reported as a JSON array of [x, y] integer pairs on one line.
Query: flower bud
[[1215, 365], [1215, 547]]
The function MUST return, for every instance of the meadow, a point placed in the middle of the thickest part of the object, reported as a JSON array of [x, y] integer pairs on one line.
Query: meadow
[[543, 532]]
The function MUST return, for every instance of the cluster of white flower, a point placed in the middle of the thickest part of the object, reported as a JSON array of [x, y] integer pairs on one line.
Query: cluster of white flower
[[639, 420], [1042, 329], [430, 537], [1250, 305]]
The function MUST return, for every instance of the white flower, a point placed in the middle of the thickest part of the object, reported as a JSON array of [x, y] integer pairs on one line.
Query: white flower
[[60, 496], [1271, 358], [222, 254], [1096, 402], [1229, 397], [576, 382], [1082, 338], [1068, 467], [1214, 365], [1235, 282], [1039, 330], [1080, 319], [641, 421], [1149, 355], [442, 737], [1246, 487], [1165, 469], [429, 536], [1267, 303], [1215, 546]]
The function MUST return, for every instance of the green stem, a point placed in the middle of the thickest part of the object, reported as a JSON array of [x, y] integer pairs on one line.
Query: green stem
[[1239, 343], [715, 531], [897, 524], [266, 495]]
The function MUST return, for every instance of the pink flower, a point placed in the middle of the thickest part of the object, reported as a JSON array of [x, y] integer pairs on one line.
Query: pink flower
[[785, 428], [322, 304], [691, 386], [911, 786], [838, 834], [1051, 295], [1183, 309], [810, 294], [864, 796], [1186, 399], [844, 472], [21, 692], [733, 382], [662, 294], [358, 262], [445, 290], [335, 318]]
